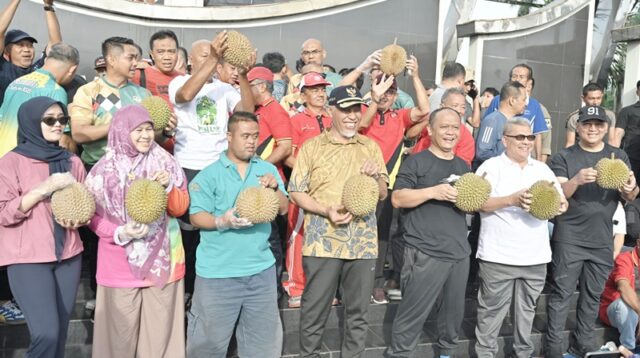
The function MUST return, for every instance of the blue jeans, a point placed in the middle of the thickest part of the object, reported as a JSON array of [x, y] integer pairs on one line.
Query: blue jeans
[[625, 320], [219, 302]]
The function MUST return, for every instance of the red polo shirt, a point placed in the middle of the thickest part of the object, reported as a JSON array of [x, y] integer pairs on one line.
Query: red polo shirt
[[623, 269], [274, 125], [306, 125], [465, 148]]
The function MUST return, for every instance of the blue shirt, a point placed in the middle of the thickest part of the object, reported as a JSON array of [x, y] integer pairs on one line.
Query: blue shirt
[[231, 253], [533, 112], [489, 141]]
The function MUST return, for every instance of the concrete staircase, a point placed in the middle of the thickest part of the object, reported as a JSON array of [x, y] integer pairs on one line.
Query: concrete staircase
[[15, 339]]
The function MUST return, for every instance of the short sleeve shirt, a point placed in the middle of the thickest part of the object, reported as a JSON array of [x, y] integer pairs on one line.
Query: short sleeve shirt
[[10, 72], [623, 269], [512, 236], [323, 166], [231, 253], [201, 134], [34, 84], [629, 120], [588, 221], [306, 125], [434, 227], [533, 112], [95, 104], [156, 82]]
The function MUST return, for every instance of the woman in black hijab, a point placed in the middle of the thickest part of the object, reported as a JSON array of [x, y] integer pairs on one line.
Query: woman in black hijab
[[42, 254]]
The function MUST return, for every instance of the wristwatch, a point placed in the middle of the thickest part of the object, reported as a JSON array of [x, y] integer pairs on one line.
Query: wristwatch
[[49, 8]]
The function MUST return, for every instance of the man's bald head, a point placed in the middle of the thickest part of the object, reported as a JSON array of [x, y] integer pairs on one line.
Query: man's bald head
[[200, 51], [313, 52], [312, 67]]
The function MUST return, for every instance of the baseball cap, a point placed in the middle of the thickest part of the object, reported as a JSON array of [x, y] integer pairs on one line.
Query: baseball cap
[[345, 97], [260, 73], [313, 79], [15, 35], [394, 84], [592, 112], [99, 63]]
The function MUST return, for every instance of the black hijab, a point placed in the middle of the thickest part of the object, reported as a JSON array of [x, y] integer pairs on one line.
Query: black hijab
[[31, 144]]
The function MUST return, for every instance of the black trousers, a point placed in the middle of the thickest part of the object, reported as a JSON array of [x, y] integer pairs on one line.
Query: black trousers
[[190, 242], [355, 278], [571, 264], [384, 217]]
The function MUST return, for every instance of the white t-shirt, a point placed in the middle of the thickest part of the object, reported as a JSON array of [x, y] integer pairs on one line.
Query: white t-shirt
[[510, 235], [201, 134]]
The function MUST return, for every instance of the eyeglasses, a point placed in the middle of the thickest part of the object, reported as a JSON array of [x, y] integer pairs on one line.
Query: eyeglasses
[[521, 137], [311, 53], [51, 121]]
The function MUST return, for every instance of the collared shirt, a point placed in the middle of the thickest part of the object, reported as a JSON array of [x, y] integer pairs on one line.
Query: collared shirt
[[322, 168], [274, 125], [387, 129], [510, 235], [95, 103], [28, 237], [34, 84], [306, 125], [532, 112], [231, 253], [624, 268], [201, 134]]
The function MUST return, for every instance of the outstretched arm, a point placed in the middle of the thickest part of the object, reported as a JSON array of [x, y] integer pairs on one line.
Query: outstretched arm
[[53, 26], [5, 20]]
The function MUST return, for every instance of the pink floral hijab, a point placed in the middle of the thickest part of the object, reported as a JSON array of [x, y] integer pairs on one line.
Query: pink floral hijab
[[149, 258]]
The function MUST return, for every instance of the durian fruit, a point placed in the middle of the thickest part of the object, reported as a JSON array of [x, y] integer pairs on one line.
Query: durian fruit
[[545, 200], [146, 201], [74, 203], [393, 59], [612, 173], [257, 204], [239, 49], [473, 192], [360, 195], [159, 111]]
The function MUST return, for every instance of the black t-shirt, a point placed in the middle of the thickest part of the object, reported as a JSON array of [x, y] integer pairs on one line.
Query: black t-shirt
[[10, 72], [629, 120], [436, 228], [589, 220]]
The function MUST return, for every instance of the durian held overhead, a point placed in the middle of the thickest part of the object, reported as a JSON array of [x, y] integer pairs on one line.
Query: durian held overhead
[[545, 200], [393, 59], [239, 49], [612, 173], [159, 111], [257, 204], [473, 192], [360, 195], [145, 201], [73, 204]]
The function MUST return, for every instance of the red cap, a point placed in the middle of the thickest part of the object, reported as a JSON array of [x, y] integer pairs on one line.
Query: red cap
[[260, 73], [313, 79]]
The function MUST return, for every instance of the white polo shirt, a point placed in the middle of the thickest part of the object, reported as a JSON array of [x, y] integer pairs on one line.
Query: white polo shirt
[[510, 235]]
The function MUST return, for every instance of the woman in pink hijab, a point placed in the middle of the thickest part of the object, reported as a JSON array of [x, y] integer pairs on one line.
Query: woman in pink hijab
[[140, 297]]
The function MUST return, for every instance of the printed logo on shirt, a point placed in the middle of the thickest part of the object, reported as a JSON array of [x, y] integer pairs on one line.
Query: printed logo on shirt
[[207, 114]]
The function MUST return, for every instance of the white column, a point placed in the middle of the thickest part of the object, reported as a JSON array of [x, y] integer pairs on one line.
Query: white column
[[631, 73]]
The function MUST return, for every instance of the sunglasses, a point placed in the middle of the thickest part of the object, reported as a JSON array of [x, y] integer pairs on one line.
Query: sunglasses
[[51, 121], [521, 137]]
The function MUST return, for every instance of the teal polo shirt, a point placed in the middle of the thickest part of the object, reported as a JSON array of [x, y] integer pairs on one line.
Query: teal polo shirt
[[231, 253]]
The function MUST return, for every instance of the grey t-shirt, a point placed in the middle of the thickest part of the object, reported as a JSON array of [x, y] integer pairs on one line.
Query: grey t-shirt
[[589, 220], [436, 228]]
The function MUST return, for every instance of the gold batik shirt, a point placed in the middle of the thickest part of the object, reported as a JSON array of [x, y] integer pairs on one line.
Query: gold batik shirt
[[322, 168]]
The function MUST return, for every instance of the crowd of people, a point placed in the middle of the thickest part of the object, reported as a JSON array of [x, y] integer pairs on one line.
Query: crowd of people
[[302, 135]]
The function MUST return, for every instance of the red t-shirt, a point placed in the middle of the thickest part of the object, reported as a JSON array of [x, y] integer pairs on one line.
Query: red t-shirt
[[389, 131], [465, 149], [304, 126], [274, 124], [158, 84], [624, 268]]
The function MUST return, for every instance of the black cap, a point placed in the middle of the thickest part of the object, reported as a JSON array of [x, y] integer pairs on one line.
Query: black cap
[[593, 112], [99, 63], [13, 36], [345, 97]]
